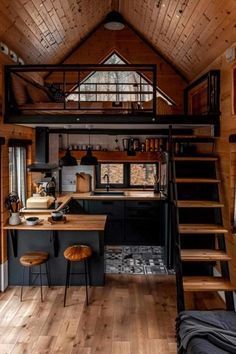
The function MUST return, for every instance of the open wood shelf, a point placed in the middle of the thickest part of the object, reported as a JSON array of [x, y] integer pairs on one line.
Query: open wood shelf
[[116, 156]]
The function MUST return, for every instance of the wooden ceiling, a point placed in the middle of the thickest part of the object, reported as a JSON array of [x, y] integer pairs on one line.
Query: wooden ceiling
[[189, 33]]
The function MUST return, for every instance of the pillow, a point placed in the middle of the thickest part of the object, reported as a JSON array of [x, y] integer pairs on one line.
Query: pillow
[[37, 94], [19, 90], [56, 93]]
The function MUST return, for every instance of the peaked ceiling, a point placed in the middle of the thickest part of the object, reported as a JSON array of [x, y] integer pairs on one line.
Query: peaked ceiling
[[189, 33]]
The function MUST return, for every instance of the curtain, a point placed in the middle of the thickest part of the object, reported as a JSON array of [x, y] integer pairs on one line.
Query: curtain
[[17, 172]]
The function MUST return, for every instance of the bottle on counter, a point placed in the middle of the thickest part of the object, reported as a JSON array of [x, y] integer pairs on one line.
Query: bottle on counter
[[152, 145], [147, 144], [156, 144]]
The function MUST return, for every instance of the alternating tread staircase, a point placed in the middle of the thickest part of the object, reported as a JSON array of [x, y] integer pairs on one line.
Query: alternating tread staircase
[[197, 180], [203, 255], [205, 283], [200, 227]]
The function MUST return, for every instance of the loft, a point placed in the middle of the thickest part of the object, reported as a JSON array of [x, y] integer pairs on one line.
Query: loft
[[62, 94]]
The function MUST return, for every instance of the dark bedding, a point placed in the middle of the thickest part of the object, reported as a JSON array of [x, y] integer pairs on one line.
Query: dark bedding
[[203, 346], [207, 332]]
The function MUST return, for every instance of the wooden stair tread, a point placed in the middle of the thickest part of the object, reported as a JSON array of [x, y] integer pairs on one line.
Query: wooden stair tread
[[207, 283], [199, 204], [197, 180], [201, 229], [195, 158], [201, 255]]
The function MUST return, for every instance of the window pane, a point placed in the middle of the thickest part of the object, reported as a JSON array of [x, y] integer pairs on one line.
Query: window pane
[[142, 174], [115, 172], [17, 172]]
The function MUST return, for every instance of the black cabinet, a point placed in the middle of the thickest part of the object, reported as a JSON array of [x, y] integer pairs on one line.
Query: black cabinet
[[114, 232], [77, 206], [142, 223], [131, 222]]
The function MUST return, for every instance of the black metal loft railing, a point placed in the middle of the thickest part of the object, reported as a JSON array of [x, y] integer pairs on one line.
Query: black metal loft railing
[[73, 88]]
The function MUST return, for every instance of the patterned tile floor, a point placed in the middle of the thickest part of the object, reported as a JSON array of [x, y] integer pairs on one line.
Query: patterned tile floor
[[135, 260]]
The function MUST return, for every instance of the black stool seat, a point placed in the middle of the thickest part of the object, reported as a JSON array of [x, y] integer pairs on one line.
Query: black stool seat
[[31, 259], [77, 253]]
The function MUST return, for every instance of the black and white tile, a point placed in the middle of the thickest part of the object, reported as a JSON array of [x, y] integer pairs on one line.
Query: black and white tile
[[135, 260]]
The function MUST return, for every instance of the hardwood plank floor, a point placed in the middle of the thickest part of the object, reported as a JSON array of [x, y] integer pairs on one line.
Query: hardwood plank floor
[[131, 315]]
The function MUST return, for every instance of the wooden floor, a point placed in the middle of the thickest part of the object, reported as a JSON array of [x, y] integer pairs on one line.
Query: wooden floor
[[130, 315]]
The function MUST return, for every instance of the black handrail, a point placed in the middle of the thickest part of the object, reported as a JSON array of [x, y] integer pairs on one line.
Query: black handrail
[[174, 224]]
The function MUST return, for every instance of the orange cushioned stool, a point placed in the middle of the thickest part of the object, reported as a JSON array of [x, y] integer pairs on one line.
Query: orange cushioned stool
[[32, 259], [77, 253]]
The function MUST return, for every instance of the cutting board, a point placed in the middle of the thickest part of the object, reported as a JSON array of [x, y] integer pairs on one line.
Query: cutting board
[[39, 202], [83, 182]]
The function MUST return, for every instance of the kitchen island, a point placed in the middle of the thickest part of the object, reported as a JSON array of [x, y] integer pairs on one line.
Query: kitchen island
[[54, 238], [134, 216]]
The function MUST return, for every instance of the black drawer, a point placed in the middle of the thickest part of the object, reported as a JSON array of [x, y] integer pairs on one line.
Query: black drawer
[[115, 209], [142, 209]]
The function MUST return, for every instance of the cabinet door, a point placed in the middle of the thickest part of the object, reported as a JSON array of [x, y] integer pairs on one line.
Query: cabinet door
[[77, 206], [112, 208], [142, 223], [114, 233]]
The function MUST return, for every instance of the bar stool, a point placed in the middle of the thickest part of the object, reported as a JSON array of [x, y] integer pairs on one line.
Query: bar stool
[[77, 253], [31, 259]]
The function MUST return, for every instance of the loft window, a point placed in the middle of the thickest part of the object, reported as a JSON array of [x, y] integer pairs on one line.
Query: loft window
[[116, 86], [17, 171]]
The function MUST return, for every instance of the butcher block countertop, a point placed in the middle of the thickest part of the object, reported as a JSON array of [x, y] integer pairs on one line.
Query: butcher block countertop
[[64, 199], [72, 223]]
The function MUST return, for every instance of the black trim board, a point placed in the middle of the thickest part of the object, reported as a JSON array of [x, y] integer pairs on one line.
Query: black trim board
[[154, 131], [19, 142], [116, 119]]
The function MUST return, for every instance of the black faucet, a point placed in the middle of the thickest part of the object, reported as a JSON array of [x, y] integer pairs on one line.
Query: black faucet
[[107, 186]]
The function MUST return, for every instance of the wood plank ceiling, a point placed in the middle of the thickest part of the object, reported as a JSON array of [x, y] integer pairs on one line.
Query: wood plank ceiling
[[189, 33]]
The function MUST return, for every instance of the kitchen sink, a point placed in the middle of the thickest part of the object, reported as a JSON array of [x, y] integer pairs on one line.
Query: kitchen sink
[[107, 193]]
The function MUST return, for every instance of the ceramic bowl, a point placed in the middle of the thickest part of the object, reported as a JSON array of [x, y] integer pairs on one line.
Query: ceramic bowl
[[32, 220], [57, 215]]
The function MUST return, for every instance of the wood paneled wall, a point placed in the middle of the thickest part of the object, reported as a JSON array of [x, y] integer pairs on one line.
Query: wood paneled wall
[[9, 131], [133, 49], [225, 150]]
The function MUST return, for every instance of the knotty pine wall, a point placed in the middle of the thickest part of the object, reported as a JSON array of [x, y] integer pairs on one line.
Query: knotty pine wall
[[9, 131], [133, 49], [225, 150]]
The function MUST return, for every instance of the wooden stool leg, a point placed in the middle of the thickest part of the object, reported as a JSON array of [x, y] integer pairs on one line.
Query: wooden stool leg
[[21, 291], [41, 285], [48, 274], [67, 280], [86, 280]]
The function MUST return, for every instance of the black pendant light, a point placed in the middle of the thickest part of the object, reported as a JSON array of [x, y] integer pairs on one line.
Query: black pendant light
[[68, 159], [88, 158], [114, 21]]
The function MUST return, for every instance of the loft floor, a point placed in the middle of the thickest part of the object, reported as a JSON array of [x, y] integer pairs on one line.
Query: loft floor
[[132, 314]]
